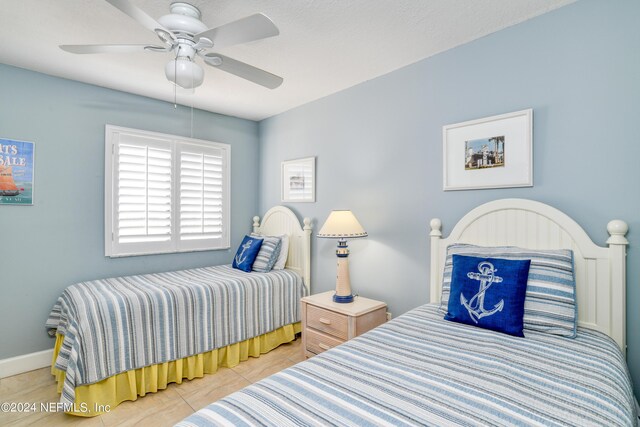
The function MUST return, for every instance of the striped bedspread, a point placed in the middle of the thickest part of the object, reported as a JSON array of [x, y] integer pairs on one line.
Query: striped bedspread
[[115, 325], [422, 370]]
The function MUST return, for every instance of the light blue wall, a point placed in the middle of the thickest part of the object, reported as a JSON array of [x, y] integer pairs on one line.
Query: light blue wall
[[59, 241], [379, 145]]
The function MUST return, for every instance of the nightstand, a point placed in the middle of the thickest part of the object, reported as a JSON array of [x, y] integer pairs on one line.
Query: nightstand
[[326, 324]]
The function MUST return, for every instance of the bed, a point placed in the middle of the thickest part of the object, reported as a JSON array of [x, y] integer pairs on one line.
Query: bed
[[420, 369], [123, 337]]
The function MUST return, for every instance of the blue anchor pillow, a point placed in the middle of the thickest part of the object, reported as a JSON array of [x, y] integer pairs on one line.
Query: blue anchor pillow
[[247, 253], [488, 293]]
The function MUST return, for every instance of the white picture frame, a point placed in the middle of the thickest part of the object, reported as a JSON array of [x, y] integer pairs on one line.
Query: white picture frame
[[298, 180], [493, 152]]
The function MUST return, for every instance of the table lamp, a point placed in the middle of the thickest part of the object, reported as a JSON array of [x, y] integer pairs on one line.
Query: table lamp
[[342, 225]]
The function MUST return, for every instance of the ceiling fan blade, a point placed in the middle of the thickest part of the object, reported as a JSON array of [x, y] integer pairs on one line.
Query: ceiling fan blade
[[111, 48], [241, 69], [254, 27], [139, 15]]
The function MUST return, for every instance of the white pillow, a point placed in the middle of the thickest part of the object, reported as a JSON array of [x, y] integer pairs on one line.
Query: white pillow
[[284, 253]]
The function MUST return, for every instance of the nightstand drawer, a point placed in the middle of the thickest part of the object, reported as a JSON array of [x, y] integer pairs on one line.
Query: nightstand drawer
[[328, 321], [318, 342]]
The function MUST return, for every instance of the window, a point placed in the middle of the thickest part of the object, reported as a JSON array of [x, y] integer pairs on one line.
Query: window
[[164, 193]]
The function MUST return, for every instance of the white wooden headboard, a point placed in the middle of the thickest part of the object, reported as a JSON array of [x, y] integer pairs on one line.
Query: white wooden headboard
[[600, 271], [280, 220]]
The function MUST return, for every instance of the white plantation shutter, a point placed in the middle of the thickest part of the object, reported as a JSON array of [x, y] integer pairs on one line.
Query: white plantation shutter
[[144, 193], [164, 193], [202, 195]]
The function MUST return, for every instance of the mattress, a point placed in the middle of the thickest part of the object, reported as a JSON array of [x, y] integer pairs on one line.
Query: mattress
[[422, 370], [119, 324]]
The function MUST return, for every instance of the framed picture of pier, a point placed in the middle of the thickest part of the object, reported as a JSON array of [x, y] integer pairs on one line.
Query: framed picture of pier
[[493, 152], [16, 172], [298, 180]]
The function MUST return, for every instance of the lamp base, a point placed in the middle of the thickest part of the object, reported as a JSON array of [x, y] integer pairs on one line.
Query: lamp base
[[342, 298], [343, 284]]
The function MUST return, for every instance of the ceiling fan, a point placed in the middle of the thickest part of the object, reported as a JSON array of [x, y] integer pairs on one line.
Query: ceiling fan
[[183, 32]]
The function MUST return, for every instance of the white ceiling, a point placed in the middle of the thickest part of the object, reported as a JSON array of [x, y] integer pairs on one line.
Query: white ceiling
[[324, 46]]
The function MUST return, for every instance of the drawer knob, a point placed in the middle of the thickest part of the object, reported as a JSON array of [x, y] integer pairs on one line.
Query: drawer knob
[[324, 346], [325, 321]]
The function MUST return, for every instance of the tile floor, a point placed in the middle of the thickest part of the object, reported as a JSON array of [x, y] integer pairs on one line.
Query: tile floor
[[157, 409]]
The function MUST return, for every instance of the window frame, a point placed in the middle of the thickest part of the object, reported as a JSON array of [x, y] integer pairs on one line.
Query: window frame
[[114, 249]]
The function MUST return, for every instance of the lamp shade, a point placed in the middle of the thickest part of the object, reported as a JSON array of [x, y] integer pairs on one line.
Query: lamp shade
[[184, 73], [342, 225]]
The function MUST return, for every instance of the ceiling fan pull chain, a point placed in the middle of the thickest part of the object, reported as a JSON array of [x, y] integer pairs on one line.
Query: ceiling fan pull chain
[[175, 86], [192, 96]]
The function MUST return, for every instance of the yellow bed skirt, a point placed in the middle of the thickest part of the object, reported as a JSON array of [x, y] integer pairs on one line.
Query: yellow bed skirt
[[100, 397]]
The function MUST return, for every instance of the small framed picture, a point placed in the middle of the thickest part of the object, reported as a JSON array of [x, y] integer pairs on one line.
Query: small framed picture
[[16, 172], [299, 180], [494, 152]]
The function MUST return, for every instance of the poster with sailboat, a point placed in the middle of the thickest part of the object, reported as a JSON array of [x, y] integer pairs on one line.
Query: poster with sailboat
[[16, 172]]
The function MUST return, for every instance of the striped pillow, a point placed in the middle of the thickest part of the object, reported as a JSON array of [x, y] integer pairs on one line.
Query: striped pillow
[[268, 255], [550, 302]]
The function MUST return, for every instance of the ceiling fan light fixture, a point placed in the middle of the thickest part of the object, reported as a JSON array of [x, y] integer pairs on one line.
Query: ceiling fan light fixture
[[184, 73]]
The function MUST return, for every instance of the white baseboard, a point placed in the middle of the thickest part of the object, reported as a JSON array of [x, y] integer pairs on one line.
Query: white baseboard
[[25, 363]]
